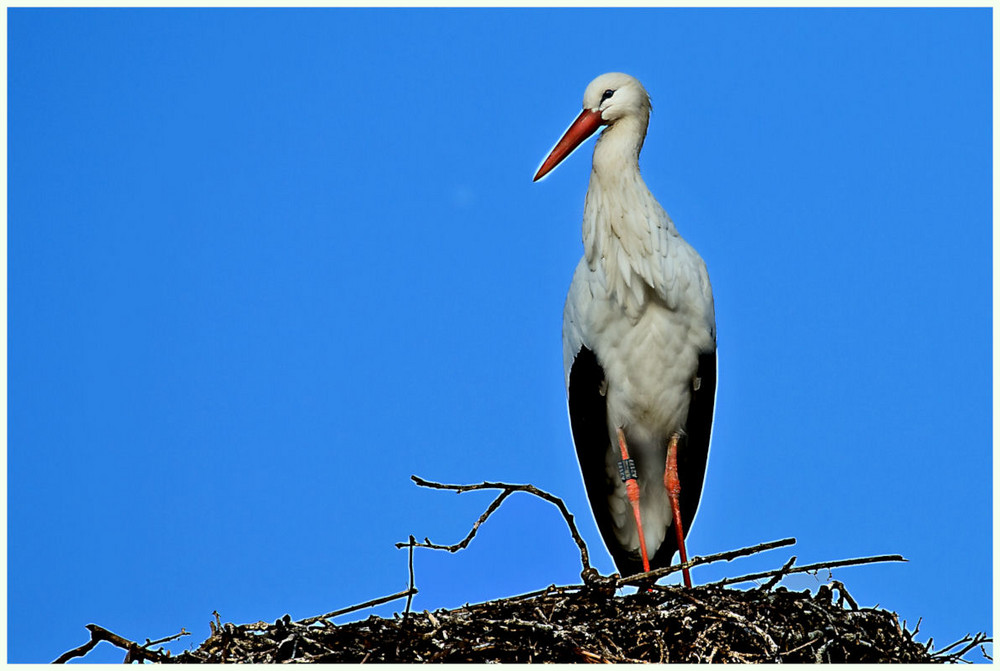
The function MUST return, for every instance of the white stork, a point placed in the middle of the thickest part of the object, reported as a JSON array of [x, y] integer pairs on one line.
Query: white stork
[[638, 342]]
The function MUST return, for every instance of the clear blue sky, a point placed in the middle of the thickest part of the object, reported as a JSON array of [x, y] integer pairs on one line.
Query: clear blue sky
[[264, 265]]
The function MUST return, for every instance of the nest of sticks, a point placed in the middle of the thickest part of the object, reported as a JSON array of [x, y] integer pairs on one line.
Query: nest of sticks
[[589, 622]]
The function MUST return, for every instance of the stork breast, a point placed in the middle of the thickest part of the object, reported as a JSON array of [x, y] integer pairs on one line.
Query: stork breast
[[650, 366]]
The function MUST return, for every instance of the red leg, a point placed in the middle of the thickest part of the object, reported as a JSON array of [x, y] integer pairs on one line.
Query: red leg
[[673, 485], [632, 490]]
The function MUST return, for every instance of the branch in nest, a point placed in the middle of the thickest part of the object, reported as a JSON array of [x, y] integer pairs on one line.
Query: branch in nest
[[360, 606], [413, 587], [729, 555], [786, 570], [844, 595], [508, 489], [967, 642], [780, 574], [136, 652]]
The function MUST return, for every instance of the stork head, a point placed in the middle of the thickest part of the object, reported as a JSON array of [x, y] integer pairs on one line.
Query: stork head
[[616, 95], [609, 99]]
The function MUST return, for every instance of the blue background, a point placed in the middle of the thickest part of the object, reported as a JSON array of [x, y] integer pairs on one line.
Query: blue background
[[264, 265]]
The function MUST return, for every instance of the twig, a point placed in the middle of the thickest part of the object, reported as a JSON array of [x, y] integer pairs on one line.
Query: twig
[[135, 651], [79, 651], [822, 650], [817, 636], [551, 589], [779, 575], [844, 595], [969, 642], [698, 561], [808, 567], [166, 639], [413, 589], [402, 632], [360, 606], [508, 489]]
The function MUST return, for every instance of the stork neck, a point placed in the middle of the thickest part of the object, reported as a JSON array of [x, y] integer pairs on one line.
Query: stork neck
[[625, 231], [617, 149]]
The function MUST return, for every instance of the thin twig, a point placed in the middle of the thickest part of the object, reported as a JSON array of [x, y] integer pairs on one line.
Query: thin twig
[[98, 634], [464, 543], [401, 633], [551, 589], [779, 575], [808, 567], [508, 489], [818, 637], [654, 575], [969, 642], [166, 639], [844, 595], [413, 589], [946, 648], [78, 652], [360, 606]]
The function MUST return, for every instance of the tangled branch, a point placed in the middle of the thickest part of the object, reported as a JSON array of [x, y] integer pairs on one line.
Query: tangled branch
[[136, 652], [787, 569], [968, 643], [508, 489], [656, 574]]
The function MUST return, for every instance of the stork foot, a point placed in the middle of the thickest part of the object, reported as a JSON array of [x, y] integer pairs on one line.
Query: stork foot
[[626, 468], [673, 485]]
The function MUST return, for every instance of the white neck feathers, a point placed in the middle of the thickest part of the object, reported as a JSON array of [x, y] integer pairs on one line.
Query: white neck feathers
[[626, 234]]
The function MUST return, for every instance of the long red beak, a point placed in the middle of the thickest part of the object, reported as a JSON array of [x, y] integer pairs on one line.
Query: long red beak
[[585, 125]]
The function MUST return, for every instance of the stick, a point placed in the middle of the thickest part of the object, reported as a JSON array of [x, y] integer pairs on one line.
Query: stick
[[806, 568], [413, 589], [551, 589], [970, 643], [78, 652], [698, 561], [508, 489], [780, 574], [839, 586], [98, 634], [167, 639], [464, 543], [360, 606]]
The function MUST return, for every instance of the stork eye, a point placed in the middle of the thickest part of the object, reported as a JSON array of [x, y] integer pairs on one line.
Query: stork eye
[[607, 94]]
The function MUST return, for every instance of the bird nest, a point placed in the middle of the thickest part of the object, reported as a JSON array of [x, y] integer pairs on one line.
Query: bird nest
[[590, 622], [703, 624]]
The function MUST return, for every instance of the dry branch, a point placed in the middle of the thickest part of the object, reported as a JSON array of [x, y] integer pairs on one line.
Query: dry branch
[[413, 588], [807, 568], [136, 652], [361, 606], [508, 489], [968, 642], [729, 555]]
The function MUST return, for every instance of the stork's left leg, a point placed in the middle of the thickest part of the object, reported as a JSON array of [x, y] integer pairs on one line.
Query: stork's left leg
[[627, 470], [673, 485]]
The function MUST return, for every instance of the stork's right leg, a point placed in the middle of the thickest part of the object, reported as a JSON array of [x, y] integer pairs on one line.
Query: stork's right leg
[[673, 485], [626, 468]]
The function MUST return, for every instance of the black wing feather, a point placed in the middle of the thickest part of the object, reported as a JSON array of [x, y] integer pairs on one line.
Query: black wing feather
[[692, 456], [588, 416], [589, 422]]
